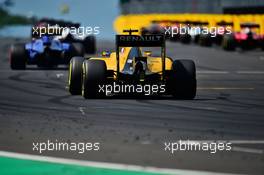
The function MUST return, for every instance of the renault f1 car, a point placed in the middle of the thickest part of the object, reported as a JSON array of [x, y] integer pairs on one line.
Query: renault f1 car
[[45, 51], [130, 66]]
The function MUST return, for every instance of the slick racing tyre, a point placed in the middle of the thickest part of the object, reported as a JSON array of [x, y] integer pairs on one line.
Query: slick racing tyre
[[77, 49], [205, 40], [262, 45], [18, 56], [182, 83], [228, 43], [94, 74], [90, 44], [75, 76], [185, 38], [196, 38]]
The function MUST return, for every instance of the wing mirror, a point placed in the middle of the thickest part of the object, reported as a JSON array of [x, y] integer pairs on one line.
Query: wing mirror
[[147, 53], [106, 53]]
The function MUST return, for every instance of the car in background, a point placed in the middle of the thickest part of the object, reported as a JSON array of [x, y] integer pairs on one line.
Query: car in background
[[205, 37], [153, 29], [248, 38], [88, 41], [227, 28], [158, 28], [185, 35], [45, 52]]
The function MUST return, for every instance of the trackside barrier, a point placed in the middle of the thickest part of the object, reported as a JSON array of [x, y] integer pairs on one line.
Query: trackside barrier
[[137, 21]]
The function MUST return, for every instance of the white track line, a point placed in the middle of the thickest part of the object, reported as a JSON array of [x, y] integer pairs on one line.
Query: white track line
[[58, 75], [236, 142], [211, 72], [232, 141], [81, 109], [247, 141], [205, 108], [247, 150], [113, 166], [250, 72], [226, 88], [260, 142], [261, 58]]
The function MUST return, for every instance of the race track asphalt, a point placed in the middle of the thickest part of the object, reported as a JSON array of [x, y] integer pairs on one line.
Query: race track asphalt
[[35, 106]]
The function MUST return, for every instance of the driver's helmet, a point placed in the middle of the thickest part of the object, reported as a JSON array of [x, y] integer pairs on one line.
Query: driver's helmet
[[47, 39], [247, 30]]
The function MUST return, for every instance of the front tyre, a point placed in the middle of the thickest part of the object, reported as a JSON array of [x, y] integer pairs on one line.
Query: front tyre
[[94, 75], [18, 57], [182, 82], [75, 75]]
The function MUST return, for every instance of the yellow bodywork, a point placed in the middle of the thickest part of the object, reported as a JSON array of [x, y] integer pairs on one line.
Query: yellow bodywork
[[137, 21], [154, 64]]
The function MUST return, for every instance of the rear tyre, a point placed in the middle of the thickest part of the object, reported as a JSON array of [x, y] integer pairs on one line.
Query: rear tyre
[[75, 75], [228, 43], [94, 74], [185, 39], [262, 45], [205, 40], [77, 49], [182, 83], [90, 44], [18, 57], [196, 38], [218, 39]]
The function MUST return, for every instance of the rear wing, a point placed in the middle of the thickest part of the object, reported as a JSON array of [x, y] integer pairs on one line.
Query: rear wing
[[140, 41], [55, 27], [224, 23], [250, 25]]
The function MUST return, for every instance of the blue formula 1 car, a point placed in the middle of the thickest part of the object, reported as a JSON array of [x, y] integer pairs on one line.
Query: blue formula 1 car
[[76, 36], [46, 51]]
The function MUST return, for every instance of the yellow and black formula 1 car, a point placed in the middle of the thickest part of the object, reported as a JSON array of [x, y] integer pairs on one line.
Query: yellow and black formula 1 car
[[130, 70]]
